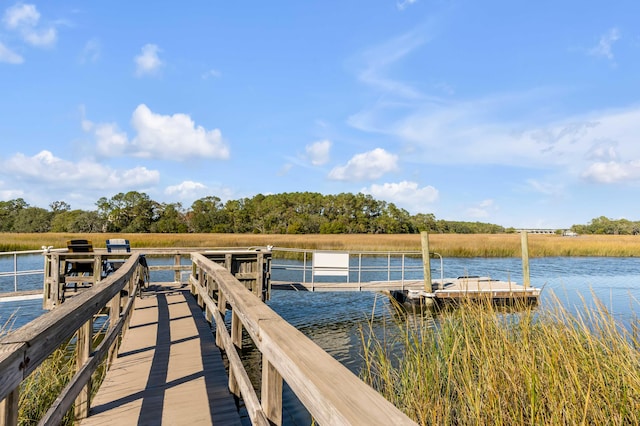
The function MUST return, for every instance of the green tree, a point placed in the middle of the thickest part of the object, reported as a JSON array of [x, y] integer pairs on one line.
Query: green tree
[[33, 219]]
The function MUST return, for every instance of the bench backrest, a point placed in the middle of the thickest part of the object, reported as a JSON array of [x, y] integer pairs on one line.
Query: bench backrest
[[80, 246], [118, 245]]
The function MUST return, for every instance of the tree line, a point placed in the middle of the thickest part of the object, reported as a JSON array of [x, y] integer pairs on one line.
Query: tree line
[[604, 225], [284, 213]]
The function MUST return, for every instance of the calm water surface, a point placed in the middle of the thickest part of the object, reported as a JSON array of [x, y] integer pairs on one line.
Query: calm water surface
[[334, 320]]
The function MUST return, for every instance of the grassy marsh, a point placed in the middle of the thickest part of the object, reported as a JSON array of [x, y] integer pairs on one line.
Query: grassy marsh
[[448, 245], [478, 365]]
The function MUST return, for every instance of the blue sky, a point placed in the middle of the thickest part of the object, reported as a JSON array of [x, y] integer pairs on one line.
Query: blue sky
[[524, 114]]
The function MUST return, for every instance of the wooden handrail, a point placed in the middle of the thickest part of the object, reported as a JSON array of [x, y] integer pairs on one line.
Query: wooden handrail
[[24, 349], [331, 393]]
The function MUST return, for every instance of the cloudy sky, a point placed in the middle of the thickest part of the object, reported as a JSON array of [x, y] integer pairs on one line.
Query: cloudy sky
[[524, 114]]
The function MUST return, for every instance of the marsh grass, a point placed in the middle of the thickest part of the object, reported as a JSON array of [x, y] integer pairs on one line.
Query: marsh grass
[[480, 365], [41, 388], [448, 245]]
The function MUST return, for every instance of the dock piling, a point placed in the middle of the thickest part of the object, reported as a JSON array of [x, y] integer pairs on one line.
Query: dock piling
[[426, 261], [526, 282]]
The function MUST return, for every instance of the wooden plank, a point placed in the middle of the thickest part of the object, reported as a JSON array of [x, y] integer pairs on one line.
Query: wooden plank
[[9, 409], [168, 370], [271, 394], [83, 349]]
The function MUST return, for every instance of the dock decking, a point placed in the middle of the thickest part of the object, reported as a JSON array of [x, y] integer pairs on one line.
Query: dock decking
[[461, 288], [175, 376]]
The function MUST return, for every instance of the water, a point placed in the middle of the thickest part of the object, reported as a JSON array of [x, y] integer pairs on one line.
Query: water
[[334, 320]]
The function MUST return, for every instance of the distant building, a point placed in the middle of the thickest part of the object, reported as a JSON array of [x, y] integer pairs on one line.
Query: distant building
[[537, 231], [568, 233]]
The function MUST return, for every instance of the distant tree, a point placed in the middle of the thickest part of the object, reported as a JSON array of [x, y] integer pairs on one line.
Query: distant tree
[[59, 207], [205, 214], [171, 219], [9, 212], [33, 219]]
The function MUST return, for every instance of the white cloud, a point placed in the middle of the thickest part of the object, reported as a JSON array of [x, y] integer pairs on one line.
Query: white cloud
[[168, 137], [211, 74], [378, 60], [148, 62], [174, 137], [9, 56], [402, 5], [21, 15], [25, 19], [365, 166], [603, 48], [46, 169], [481, 210], [11, 194], [612, 171], [545, 188], [318, 152], [285, 169], [91, 51], [476, 132], [110, 141], [186, 190], [406, 194]]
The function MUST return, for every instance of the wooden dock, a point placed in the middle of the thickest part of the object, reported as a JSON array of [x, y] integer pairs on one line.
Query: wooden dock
[[452, 288], [168, 370]]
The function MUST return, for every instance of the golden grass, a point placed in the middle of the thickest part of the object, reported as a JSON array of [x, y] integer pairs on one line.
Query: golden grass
[[479, 366], [448, 245]]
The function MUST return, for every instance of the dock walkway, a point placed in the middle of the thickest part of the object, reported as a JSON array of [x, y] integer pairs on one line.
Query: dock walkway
[[172, 377]]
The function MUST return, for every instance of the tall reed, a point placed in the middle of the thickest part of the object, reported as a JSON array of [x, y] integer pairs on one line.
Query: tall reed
[[447, 245], [479, 365]]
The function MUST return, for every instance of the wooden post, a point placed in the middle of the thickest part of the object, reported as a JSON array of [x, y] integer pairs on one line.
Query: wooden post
[[177, 277], [526, 282], [83, 349], [271, 392], [259, 291], [9, 408], [115, 308], [426, 261], [236, 338], [220, 327]]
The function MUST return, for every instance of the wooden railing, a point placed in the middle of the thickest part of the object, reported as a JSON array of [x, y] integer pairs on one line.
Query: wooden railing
[[23, 350], [330, 392]]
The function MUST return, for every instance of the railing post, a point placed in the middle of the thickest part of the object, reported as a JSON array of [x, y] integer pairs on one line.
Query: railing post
[[177, 263], [115, 308], [222, 308], [236, 339], [271, 392], [259, 270], [9, 409], [83, 349]]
